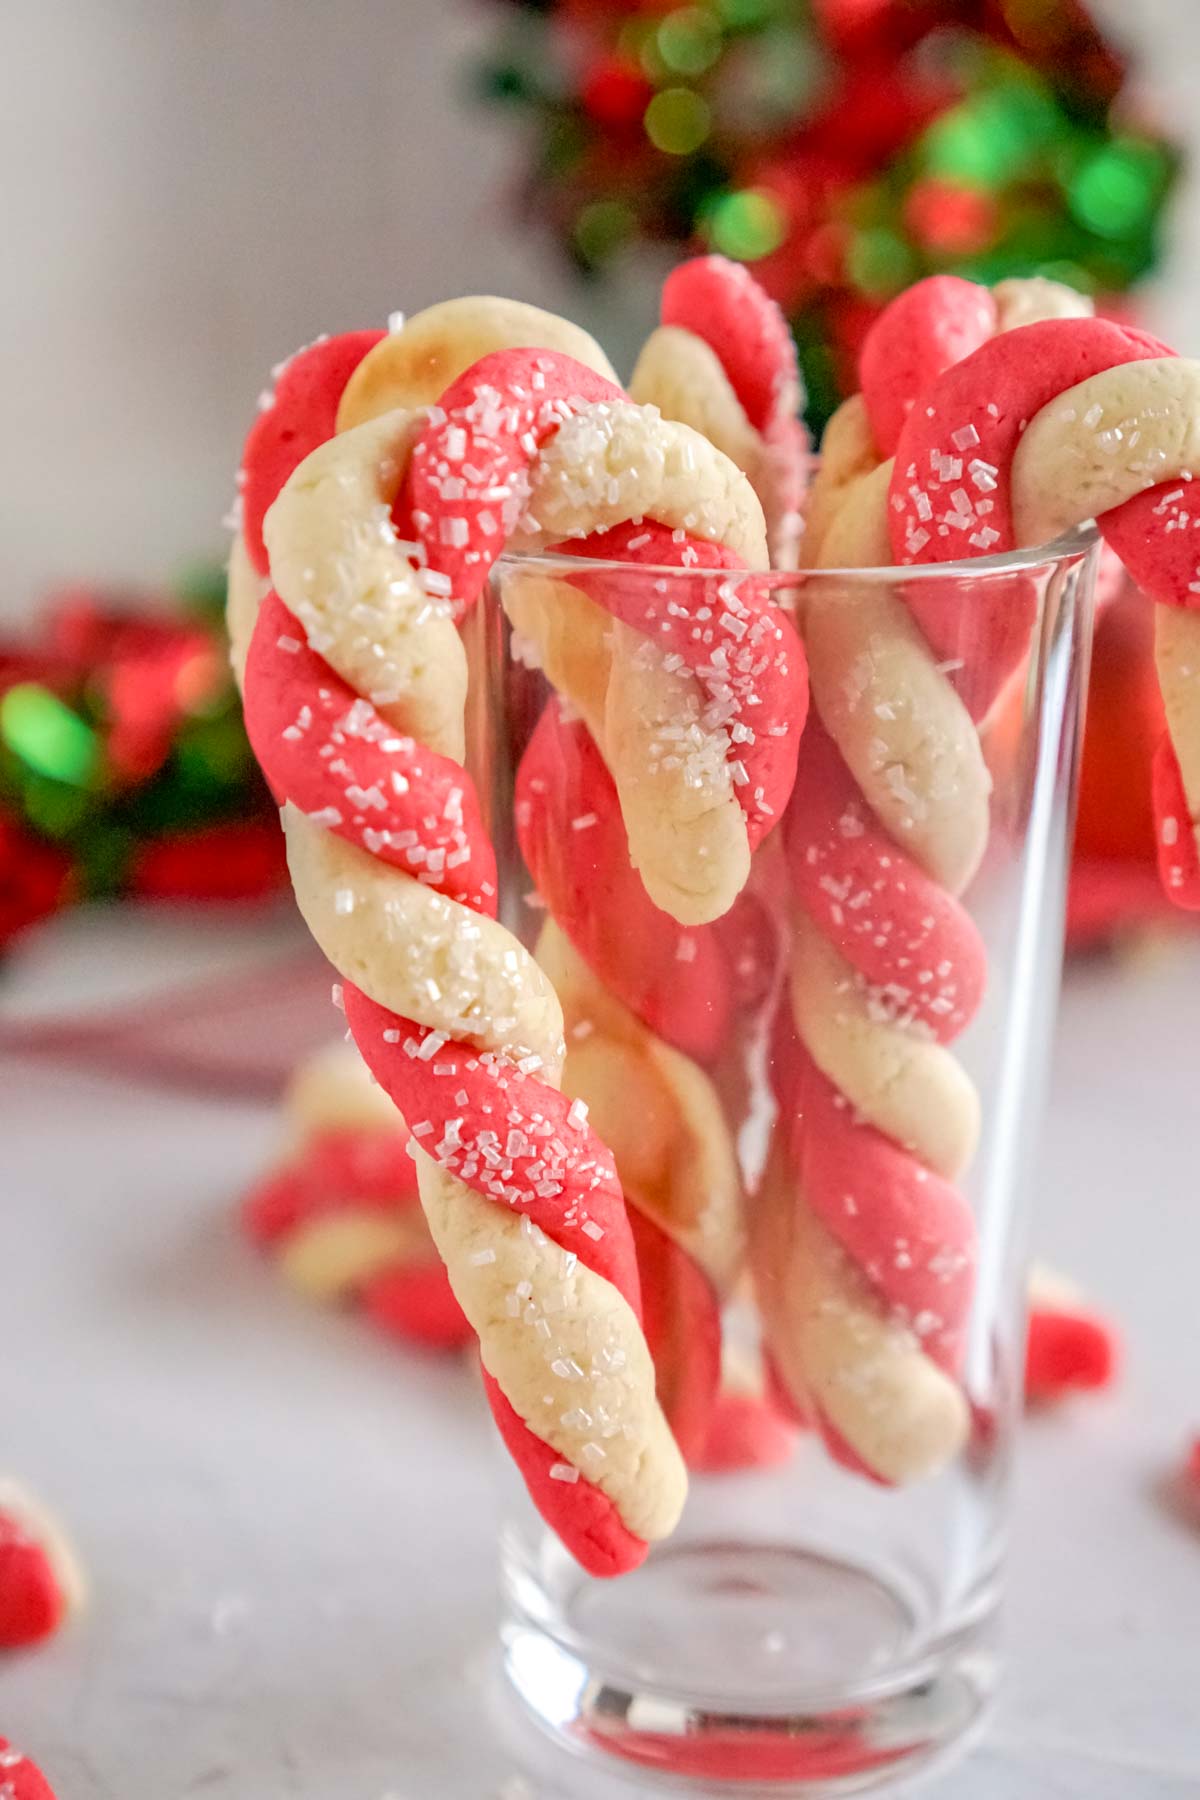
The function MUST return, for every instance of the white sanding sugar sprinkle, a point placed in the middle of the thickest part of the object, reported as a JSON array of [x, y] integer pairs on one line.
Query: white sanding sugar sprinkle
[[562, 1471], [481, 1257]]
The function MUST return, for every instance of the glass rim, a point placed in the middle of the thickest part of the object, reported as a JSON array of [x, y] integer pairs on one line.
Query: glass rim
[[1068, 546]]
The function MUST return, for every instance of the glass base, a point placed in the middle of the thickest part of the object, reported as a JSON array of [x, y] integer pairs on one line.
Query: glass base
[[790, 1672]]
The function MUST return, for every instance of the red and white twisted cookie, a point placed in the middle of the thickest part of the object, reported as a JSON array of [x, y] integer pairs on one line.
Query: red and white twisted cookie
[[1040, 430], [989, 457], [724, 360], [865, 1249], [646, 1004], [369, 539]]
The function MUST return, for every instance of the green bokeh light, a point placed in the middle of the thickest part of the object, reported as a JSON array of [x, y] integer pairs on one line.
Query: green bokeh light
[[746, 224], [602, 228], [677, 121], [879, 262], [747, 15], [994, 136], [47, 736], [689, 41], [1114, 193]]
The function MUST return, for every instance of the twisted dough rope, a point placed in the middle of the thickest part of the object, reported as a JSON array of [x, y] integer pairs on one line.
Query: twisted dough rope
[[646, 1002], [865, 1249], [724, 361], [926, 329], [339, 382], [333, 1212], [686, 1180], [334, 560]]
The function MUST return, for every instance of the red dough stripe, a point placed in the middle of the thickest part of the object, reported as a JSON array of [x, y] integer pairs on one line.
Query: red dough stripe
[[674, 978], [911, 941], [514, 1139], [950, 490], [904, 1227], [720, 301], [742, 648], [330, 753], [466, 480], [296, 418], [1178, 862], [682, 1322], [598, 1540], [922, 332], [1157, 537]]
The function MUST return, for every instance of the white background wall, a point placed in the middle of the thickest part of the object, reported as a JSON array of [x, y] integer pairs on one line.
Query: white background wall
[[191, 188]]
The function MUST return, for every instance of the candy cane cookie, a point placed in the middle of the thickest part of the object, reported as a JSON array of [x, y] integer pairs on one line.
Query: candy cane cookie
[[442, 1001], [646, 1005], [334, 1251], [887, 824], [1087, 419], [723, 360]]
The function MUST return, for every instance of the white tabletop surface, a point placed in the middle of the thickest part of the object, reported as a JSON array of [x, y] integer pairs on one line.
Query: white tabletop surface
[[286, 1521]]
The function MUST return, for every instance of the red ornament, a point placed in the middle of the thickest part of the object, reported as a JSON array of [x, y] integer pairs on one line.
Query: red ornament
[[35, 879], [615, 94], [950, 220], [807, 189], [242, 860]]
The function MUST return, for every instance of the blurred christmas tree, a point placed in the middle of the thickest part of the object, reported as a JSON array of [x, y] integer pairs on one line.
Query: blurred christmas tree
[[842, 148]]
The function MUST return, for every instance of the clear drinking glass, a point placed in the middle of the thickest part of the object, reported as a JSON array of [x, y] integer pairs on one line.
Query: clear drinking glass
[[806, 1628]]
